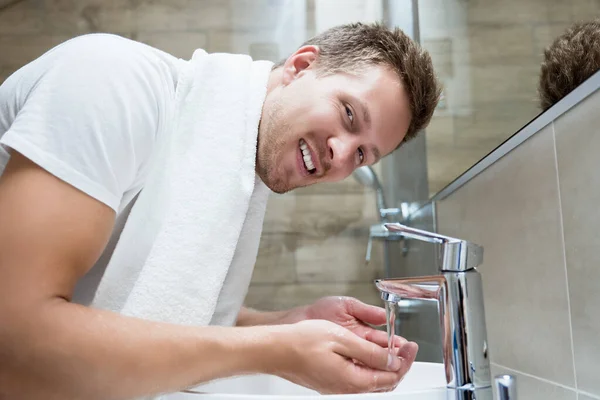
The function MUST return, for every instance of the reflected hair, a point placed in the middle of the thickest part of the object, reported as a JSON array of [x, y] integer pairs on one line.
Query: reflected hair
[[572, 58]]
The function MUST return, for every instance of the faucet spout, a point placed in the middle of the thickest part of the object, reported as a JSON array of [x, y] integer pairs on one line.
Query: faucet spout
[[459, 296], [455, 254]]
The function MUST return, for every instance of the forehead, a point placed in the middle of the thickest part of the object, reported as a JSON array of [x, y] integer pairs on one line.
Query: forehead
[[381, 92]]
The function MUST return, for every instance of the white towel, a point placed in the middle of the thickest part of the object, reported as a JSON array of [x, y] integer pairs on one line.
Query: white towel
[[180, 239]]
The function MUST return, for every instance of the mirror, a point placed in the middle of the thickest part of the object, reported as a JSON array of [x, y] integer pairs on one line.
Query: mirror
[[487, 55]]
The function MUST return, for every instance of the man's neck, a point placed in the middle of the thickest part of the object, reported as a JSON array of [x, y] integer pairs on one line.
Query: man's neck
[[274, 79]]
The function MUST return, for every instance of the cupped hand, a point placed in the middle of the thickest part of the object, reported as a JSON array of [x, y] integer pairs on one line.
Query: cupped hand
[[330, 358], [350, 313]]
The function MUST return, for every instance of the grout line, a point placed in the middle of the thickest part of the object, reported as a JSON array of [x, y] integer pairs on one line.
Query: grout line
[[535, 377], [593, 396], [564, 249]]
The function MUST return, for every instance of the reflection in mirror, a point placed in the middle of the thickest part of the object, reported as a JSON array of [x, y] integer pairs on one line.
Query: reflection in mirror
[[572, 58], [488, 56]]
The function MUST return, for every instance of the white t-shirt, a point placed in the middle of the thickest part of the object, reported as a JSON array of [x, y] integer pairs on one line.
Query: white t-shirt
[[89, 111]]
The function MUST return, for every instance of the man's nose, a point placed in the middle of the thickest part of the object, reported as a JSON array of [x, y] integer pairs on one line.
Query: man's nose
[[340, 153]]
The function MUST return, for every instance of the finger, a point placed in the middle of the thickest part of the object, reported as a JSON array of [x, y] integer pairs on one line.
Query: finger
[[369, 380], [407, 355], [366, 313], [368, 353], [381, 338], [385, 389]]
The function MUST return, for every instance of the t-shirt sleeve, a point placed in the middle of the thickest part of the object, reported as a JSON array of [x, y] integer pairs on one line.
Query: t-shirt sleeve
[[92, 115]]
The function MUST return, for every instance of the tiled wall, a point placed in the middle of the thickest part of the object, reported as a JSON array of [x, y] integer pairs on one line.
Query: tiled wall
[[535, 211], [315, 239]]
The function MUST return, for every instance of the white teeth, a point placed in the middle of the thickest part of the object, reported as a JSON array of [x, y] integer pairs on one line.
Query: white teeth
[[306, 156]]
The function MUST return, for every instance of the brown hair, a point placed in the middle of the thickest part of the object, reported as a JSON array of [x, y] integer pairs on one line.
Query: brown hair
[[571, 59], [352, 47]]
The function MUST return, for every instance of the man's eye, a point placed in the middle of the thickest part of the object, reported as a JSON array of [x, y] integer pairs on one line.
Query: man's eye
[[350, 115], [361, 156]]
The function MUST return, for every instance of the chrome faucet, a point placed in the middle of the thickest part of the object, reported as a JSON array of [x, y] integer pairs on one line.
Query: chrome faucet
[[506, 387], [458, 293]]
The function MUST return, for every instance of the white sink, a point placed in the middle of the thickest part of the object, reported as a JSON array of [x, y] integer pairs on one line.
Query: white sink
[[424, 381]]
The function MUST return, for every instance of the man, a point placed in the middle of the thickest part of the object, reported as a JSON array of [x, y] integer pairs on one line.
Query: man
[[572, 58], [102, 137]]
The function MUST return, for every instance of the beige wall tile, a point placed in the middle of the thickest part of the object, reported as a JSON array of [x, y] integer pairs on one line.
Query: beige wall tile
[[253, 14], [280, 212], [73, 5], [506, 82], [329, 215], [77, 23], [5, 72], [494, 121], [444, 164], [559, 11], [148, 16], [245, 41], [188, 16], [337, 259], [529, 388], [453, 147], [545, 34], [283, 297], [499, 43], [347, 186], [320, 215], [583, 10], [121, 16], [578, 146], [179, 44], [441, 52], [516, 11], [25, 48], [512, 210], [441, 131], [25, 17], [90, 17], [276, 261], [77, 17]]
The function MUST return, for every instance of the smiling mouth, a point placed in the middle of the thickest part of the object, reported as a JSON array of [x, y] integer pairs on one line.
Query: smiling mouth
[[307, 157]]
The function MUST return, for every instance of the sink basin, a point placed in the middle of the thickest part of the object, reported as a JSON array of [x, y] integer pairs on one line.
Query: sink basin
[[424, 381]]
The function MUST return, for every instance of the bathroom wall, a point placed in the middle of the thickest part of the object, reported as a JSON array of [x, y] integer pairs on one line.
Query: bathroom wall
[[315, 239], [535, 211]]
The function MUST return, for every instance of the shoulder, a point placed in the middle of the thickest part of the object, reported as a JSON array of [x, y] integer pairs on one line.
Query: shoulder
[[108, 53], [96, 103]]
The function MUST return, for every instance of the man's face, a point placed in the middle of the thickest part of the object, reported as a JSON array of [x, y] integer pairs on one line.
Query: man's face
[[319, 129]]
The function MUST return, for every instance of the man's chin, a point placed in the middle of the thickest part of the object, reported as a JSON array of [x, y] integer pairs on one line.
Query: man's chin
[[280, 187], [276, 185]]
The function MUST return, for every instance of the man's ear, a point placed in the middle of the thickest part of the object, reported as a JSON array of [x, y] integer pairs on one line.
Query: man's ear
[[299, 62]]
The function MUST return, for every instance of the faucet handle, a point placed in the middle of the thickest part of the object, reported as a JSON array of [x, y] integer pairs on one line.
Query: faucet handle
[[506, 386]]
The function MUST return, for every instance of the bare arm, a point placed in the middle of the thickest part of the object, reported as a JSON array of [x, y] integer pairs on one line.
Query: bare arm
[[251, 317], [50, 348], [50, 235]]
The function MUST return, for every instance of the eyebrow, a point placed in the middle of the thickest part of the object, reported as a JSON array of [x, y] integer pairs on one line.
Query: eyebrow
[[365, 109], [367, 120], [376, 153]]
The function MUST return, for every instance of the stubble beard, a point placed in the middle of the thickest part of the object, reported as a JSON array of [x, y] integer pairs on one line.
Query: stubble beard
[[269, 147]]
